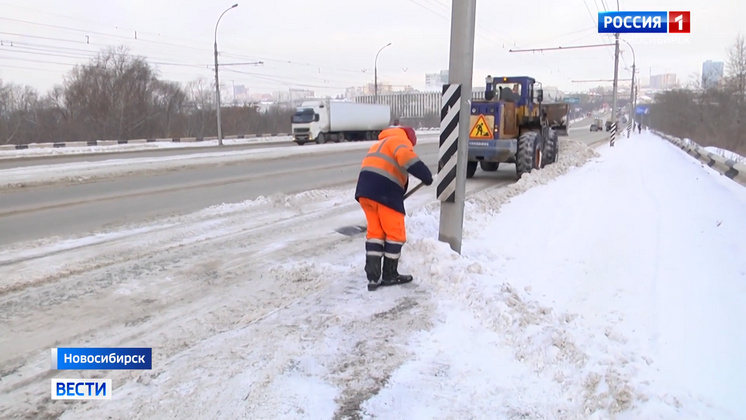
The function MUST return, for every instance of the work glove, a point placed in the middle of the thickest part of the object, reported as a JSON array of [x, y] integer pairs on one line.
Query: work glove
[[428, 181]]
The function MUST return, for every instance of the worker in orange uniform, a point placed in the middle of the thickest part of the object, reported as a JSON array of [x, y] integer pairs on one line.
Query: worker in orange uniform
[[381, 185]]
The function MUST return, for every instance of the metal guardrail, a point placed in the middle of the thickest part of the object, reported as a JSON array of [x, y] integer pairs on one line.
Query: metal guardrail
[[730, 168], [135, 141]]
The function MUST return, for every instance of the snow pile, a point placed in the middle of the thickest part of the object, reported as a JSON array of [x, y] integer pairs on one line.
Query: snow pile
[[303, 201], [573, 153]]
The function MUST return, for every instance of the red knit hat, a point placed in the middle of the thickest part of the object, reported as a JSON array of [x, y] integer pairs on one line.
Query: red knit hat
[[410, 135]]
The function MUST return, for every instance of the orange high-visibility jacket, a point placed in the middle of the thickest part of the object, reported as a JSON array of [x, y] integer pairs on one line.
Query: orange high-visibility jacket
[[384, 174]]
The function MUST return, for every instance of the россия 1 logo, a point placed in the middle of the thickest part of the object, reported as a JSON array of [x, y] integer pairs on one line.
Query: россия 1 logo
[[644, 22]]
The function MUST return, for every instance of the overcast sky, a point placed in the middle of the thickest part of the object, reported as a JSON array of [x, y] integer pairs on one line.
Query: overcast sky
[[327, 45]]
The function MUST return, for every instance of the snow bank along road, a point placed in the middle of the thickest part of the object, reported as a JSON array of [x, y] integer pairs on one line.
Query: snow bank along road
[[126, 151], [259, 310], [42, 152], [41, 201]]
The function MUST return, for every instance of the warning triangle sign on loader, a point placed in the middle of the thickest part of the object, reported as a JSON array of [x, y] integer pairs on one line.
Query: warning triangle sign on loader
[[481, 130]]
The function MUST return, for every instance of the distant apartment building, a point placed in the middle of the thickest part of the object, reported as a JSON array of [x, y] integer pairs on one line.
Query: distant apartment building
[[712, 73], [663, 81], [369, 89], [353, 92], [292, 95], [435, 81], [240, 94]]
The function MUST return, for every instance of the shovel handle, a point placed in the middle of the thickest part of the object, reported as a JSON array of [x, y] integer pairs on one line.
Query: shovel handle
[[413, 190]]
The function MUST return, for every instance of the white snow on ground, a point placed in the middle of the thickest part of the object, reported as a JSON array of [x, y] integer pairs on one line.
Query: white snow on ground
[[607, 291], [86, 171], [35, 150], [634, 307], [726, 154]]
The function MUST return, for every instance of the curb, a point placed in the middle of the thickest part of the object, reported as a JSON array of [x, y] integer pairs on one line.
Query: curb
[[135, 141], [731, 169]]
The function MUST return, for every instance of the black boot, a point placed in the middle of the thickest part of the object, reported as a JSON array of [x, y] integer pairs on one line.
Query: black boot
[[391, 274], [373, 270]]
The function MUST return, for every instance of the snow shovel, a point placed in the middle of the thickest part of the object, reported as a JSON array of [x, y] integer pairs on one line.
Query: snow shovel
[[357, 229]]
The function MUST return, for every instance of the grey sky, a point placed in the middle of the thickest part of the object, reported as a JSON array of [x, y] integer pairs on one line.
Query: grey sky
[[324, 45]]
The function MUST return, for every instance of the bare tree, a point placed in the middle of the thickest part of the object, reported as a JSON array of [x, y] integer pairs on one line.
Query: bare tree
[[201, 106], [737, 82], [736, 67], [17, 112], [119, 96]]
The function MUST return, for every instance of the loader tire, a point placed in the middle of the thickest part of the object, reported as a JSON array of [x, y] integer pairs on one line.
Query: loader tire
[[471, 169], [489, 166], [528, 153], [551, 148]]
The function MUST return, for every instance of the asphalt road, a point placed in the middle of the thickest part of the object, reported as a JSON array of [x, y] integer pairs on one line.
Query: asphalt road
[[36, 213]]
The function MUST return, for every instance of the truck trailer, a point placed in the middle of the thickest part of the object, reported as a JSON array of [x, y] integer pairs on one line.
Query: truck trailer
[[327, 120]]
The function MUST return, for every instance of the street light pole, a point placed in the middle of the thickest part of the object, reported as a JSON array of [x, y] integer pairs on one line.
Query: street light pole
[[217, 80], [632, 96], [375, 72], [614, 126]]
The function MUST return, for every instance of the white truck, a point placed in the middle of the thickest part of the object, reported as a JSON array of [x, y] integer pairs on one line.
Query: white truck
[[327, 120]]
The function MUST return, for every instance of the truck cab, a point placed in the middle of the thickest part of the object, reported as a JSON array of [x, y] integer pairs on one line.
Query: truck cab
[[510, 126], [308, 121]]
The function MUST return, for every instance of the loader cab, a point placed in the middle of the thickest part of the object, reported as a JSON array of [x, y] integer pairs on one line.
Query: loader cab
[[525, 92], [521, 90]]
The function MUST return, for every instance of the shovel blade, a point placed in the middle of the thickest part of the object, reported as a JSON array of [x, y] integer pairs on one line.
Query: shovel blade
[[352, 230]]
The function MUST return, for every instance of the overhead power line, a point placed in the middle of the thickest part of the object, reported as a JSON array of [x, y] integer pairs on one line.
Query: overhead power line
[[596, 80], [563, 48]]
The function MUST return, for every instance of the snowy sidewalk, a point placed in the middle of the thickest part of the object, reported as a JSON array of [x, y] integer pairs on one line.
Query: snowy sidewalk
[[613, 290], [617, 288]]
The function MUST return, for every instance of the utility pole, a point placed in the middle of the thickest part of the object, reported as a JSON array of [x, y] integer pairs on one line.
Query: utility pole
[[630, 125], [616, 80], [632, 103], [614, 98], [632, 95], [217, 80], [375, 72], [460, 68]]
